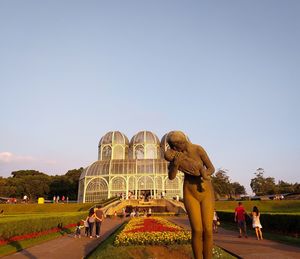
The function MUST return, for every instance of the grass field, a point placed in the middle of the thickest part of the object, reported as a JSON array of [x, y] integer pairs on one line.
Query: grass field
[[9, 209], [34, 208], [283, 206], [277, 206], [20, 217]]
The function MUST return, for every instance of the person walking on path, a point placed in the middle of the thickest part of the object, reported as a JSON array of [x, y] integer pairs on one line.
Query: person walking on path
[[99, 216], [91, 221], [256, 223], [240, 218], [215, 222]]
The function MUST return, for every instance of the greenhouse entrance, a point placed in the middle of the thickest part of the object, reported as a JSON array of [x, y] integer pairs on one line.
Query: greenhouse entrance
[[145, 194]]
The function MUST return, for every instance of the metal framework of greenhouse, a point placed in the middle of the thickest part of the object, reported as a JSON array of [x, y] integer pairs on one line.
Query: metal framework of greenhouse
[[129, 169]]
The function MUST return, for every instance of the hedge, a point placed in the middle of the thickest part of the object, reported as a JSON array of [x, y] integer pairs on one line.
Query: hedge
[[272, 206], [16, 226], [283, 223]]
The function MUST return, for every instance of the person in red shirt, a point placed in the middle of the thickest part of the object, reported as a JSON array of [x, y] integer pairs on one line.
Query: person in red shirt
[[240, 218]]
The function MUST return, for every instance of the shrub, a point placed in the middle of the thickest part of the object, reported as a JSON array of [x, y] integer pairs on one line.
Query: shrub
[[16, 226], [283, 223], [286, 206]]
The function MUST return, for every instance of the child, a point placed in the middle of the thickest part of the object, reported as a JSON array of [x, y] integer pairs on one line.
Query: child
[[256, 223], [186, 164], [215, 222], [77, 230], [86, 226]]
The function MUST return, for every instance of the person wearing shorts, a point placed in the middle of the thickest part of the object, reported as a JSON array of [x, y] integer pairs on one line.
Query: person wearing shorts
[[240, 218]]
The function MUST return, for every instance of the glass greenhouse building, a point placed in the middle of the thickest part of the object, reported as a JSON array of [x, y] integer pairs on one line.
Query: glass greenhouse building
[[130, 169]]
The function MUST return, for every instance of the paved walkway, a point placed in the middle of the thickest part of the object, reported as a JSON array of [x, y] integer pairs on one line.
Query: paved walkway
[[249, 248], [67, 246]]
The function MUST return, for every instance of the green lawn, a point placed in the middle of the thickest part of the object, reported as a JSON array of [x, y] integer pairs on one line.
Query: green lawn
[[22, 217], [277, 206], [10, 209]]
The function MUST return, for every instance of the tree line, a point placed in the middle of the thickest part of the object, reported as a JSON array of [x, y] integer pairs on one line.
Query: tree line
[[260, 185], [224, 187], [36, 184]]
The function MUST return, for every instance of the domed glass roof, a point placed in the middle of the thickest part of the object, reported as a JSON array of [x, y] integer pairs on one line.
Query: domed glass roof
[[145, 137], [114, 137]]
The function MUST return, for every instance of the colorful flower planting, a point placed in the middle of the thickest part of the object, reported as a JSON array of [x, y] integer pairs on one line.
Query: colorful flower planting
[[152, 231]]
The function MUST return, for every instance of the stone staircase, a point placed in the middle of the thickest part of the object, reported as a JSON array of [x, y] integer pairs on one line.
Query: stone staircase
[[157, 205]]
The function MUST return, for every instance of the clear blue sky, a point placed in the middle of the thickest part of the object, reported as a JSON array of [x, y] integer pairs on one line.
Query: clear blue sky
[[225, 72]]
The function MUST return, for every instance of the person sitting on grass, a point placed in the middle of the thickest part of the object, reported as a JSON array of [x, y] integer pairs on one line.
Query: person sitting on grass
[[186, 164], [77, 230]]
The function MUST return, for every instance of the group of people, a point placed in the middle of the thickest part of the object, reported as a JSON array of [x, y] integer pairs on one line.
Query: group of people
[[240, 218], [94, 218], [144, 212], [56, 199]]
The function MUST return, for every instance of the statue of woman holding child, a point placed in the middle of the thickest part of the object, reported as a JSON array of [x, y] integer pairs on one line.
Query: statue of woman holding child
[[198, 194]]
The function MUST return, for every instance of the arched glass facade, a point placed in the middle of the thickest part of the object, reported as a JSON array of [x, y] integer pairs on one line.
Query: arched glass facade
[[129, 169]]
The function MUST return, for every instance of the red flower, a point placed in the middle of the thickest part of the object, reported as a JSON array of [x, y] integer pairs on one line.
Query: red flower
[[152, 225]]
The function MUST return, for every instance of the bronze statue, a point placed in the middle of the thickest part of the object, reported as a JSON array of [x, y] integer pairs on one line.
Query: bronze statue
[[198, 198]]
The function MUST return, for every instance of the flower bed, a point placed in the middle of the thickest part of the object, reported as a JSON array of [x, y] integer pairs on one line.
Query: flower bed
[[24, 227], [35, 234], [152, 231]]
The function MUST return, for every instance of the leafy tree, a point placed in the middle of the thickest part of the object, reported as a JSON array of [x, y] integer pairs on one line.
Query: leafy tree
[[24, 173], [261, 185], [29, 182], [65, 185], [284, 187], [37, 184], [296, 188], [221, 183], [237, 188], [3, 186], [73, 176]]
